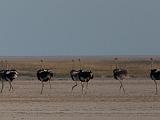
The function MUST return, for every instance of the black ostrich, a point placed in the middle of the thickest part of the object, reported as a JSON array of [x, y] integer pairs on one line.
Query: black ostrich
[[83, 76], [74, 74], [120, 74], [44, 75], [8, 75], [75, 77], [80, 75], [155, 75]]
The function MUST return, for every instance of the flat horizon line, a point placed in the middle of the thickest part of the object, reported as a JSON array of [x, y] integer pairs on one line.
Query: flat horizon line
[[61, 57]]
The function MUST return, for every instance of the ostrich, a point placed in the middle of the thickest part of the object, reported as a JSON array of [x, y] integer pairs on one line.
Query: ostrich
[[81, 75], [84, 77], [74, 74], [120, 74], [44, 75], [155, 75], [75, 77], [8, 75]]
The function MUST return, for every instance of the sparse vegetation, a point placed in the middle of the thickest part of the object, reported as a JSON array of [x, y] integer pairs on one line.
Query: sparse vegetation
[[102, 68]]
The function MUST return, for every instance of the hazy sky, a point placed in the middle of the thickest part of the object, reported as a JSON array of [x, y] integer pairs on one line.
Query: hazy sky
[[79, 27]]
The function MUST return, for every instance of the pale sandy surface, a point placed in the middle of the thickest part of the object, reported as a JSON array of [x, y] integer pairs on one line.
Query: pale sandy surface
[[103, 101]]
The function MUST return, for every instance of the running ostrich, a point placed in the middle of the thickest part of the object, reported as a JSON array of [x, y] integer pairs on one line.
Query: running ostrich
[[81, 75], [155, 75], [120, 74], [44, 75], [8, 75], [74, 74]]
